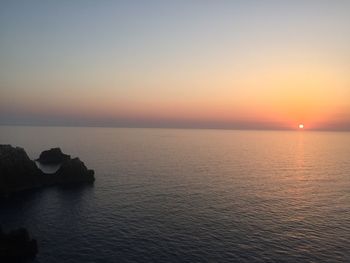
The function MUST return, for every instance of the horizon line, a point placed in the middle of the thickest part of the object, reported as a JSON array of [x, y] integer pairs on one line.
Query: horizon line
[[171, 128]]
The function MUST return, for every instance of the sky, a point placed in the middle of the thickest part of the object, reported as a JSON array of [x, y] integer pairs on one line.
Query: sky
[[188, 64]]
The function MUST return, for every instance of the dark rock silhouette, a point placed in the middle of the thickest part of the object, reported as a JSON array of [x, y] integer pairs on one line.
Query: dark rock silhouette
[[74, 171], [17, 246], [18, 172], [53, 156]]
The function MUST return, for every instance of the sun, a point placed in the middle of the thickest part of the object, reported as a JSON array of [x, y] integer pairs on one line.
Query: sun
[[301, 126]]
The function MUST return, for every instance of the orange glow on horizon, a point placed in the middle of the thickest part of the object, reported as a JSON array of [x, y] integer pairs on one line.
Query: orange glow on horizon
[[274, 96]]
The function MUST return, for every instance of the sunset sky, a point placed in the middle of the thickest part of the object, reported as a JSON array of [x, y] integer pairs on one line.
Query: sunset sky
[[199, 64]]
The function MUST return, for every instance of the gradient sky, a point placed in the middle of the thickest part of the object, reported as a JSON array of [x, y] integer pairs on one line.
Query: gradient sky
[[208, 64]]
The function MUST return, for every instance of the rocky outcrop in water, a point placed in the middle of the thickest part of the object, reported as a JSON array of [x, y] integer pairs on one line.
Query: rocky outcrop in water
[[53, 156], [17, 246], [18, 172], [74, 171]]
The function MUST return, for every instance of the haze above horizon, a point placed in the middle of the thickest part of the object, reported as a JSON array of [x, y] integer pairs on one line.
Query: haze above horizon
[[176, 64]]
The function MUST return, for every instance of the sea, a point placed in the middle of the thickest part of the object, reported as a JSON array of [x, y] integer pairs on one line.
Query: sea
[[182, 195]]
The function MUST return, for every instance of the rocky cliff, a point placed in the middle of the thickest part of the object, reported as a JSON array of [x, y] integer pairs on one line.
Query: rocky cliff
[[18, 172], [17, 246]]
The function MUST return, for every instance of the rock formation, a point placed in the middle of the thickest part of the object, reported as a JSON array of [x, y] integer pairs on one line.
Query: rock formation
[[53, 156], [18, 172], [17, 246], [74, 171]]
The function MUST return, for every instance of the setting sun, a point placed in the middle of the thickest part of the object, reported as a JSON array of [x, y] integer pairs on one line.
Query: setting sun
[[301, 126]]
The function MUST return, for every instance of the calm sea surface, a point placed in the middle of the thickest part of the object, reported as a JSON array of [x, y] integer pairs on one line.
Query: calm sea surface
[[164, 195]]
